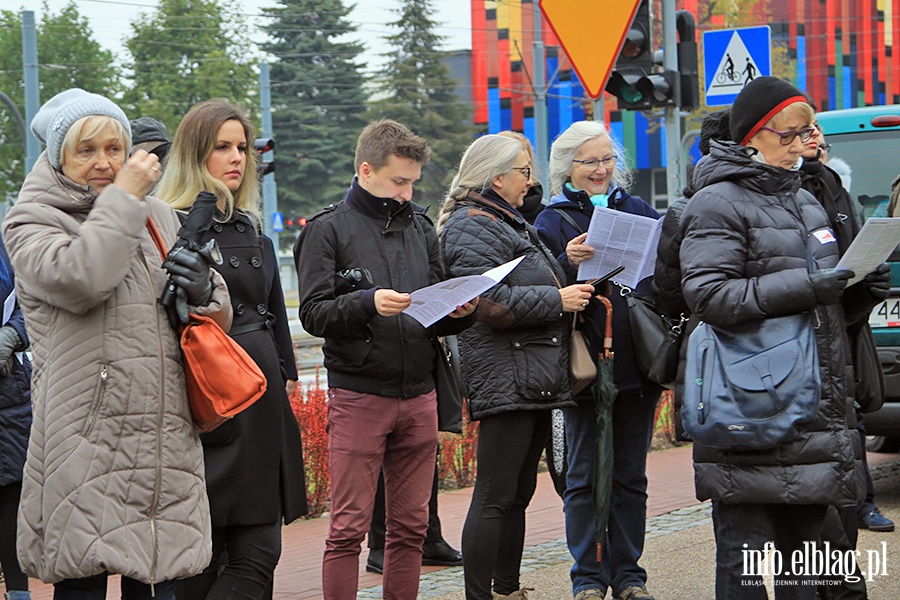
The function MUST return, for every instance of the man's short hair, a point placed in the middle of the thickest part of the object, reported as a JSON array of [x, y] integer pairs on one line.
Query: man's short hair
[[385, 138]]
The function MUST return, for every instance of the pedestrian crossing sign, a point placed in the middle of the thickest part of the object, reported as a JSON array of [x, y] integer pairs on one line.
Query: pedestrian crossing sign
[[732, 58]]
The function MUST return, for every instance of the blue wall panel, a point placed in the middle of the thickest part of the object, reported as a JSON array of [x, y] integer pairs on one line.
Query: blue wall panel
[[494, 124]]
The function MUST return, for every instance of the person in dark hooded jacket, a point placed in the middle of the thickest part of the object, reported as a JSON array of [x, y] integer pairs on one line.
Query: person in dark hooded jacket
[[667, 276], [15, 425], [587, 169], [756, 247]]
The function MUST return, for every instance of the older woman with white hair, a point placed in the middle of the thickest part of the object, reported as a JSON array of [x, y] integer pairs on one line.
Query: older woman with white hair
[[587, 169], [514, 359]]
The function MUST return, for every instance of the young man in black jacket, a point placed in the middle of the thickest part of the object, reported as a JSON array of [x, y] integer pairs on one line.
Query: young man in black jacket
[[382, 412]]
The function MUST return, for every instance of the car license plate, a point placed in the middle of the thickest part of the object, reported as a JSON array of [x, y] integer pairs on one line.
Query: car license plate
[[886, 314]]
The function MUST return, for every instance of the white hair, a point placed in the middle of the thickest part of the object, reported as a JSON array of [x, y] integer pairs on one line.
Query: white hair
[[566, 146]]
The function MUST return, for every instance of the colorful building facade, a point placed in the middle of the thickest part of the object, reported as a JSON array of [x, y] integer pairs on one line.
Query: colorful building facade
[[842, 53]]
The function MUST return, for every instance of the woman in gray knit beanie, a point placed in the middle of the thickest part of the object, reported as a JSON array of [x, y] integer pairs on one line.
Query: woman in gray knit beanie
[[114, 478]]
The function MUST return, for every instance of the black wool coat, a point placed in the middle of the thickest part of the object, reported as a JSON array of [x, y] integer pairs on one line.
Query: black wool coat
[[254, 462]]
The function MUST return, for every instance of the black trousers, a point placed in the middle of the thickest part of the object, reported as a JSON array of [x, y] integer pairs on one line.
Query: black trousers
[[9, 562], [744, 528], [94, 588], [377, 528], [242, 566], [509, 449]]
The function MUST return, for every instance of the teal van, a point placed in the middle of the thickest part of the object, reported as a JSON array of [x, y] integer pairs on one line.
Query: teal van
[[868, 140]]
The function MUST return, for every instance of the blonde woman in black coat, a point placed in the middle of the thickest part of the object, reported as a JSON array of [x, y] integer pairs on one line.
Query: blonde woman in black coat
[[254, 465]]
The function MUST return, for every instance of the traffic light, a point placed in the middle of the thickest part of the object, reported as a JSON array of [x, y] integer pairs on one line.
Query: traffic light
[[638, 81], [687, 60], [263, 145]]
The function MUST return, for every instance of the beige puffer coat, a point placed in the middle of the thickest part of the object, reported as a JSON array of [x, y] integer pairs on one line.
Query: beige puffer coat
[[114, 474]]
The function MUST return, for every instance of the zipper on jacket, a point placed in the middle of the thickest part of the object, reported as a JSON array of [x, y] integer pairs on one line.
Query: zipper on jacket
[[95, 401], [159, 423]]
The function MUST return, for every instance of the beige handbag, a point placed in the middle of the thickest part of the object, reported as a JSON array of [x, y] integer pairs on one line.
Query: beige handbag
[[583, 369]]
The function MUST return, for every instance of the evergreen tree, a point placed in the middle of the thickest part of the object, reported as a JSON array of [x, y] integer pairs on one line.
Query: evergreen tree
[[68, 56], [420, 93], [318, 102], [188, 51]]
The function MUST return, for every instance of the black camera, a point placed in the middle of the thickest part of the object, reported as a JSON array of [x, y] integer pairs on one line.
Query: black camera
[[350, 280]]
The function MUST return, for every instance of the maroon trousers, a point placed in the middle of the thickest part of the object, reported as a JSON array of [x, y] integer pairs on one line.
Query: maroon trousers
[[368, 433]]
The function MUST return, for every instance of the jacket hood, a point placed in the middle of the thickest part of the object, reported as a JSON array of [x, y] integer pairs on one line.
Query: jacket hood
[[46, 185], [579, 199], [730, 162]]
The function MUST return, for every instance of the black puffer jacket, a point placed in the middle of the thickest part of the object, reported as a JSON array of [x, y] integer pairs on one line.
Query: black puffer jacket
[[748, 234], [516, 356]]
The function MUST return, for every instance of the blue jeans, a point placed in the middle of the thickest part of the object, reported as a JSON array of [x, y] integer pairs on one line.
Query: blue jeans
[[750, 526], [94, 588], [633, 414]]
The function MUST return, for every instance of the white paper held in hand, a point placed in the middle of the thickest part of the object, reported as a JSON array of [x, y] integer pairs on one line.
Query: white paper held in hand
[[621, 239], [433, 303], [871, 247]]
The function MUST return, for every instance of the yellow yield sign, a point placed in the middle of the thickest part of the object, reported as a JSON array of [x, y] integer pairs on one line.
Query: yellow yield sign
[[591, 40]]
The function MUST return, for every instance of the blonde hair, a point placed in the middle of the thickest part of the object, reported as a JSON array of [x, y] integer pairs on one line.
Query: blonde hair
[[486, 158], [186, 174], [566, 146], [89, 127], [797, 109]]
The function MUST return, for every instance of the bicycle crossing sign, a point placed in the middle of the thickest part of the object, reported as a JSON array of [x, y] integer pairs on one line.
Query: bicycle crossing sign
[[732, 58]]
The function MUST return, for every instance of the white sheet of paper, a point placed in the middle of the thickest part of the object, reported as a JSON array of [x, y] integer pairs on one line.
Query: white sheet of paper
[[621, 239], [433, 303], [871, 247], [9, 305]]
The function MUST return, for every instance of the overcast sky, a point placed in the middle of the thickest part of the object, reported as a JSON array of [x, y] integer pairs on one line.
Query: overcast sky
[[110, 20]]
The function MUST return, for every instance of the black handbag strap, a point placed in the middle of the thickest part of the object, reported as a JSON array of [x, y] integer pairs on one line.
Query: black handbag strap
[[565, 216]]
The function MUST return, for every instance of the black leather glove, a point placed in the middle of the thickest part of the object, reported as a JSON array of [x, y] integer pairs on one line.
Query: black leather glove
[[879, 281], [829, 284], [190, 271], [9, 341]]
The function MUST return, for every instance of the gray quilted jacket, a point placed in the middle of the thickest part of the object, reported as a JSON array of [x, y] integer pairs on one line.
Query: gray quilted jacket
[[748, 234], [114, 474], [516, 356]]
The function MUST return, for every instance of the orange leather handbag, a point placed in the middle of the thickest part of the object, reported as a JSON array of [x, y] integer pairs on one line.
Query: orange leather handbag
[[222, 379]]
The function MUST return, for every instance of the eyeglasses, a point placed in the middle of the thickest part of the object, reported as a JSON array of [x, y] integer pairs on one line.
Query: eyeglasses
[[591, 163], [826, 147], [526, 171], [787, 137]]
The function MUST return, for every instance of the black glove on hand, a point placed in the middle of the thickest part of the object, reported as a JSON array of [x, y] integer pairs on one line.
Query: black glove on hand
[[190, 271], [829, 284], [9, 341], [879, 281]]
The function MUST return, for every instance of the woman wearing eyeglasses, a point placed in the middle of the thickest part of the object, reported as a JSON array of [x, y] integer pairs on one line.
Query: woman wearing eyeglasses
[[586, 171], [514, 359], [757, 247]]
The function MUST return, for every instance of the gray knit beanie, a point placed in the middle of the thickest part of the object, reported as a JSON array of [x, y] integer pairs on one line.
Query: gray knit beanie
[[60, 112]]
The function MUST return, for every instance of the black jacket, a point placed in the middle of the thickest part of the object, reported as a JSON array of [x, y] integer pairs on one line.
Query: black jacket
[[516, 356], [365, 352], [748, 234], [15, 393]]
